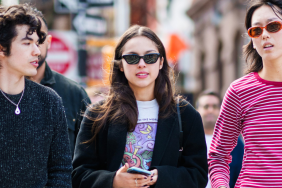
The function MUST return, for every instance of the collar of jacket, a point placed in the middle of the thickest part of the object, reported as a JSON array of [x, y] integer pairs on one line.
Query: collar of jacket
[[49, 78], [116, 141]]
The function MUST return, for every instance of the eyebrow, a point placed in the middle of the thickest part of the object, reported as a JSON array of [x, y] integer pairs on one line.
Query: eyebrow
[[268, 20], [28, 38], [150, 51]]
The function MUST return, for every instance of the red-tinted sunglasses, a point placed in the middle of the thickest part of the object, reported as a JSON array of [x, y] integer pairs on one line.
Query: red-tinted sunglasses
[[272, 27]]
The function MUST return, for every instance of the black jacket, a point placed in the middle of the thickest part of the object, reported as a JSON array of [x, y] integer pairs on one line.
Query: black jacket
[[74, 99], [95, 164]]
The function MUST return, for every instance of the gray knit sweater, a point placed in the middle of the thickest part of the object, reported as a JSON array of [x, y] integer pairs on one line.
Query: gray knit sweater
[[34, 145]]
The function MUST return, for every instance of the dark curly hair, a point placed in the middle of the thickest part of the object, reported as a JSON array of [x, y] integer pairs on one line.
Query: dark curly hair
[[39, 14], [15, 15], [253, 59]]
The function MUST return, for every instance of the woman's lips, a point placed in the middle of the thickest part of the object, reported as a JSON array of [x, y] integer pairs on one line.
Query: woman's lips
[[142, 75], [267, 46]]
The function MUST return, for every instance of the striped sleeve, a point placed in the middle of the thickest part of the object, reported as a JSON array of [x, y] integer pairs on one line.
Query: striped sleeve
[[226, 132]]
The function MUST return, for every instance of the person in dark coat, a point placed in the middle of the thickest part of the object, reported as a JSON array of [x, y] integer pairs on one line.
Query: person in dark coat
[[137, 125], [74, 97]]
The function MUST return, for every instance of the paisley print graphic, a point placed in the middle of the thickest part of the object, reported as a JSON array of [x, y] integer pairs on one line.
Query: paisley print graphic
[[139, 145]]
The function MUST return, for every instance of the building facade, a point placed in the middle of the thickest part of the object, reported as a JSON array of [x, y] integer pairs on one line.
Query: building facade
[[218, 40]]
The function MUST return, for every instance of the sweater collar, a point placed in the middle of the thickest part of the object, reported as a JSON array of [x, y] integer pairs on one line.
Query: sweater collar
[[279, 84]]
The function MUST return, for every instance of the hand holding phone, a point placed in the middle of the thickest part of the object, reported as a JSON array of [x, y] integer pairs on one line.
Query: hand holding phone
[[135, 170], [125, 179]]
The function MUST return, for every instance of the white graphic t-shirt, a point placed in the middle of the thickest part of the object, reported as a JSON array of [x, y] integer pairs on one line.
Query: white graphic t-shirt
[[140, 143]]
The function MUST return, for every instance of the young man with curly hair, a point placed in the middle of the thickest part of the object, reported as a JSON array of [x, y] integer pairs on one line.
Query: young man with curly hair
[[34, 145]]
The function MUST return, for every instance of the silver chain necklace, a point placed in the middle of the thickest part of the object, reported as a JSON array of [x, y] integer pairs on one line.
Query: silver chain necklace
[[17, 111]]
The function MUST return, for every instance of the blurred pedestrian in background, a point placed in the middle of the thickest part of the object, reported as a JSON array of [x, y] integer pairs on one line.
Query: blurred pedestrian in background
[[253, 106], [208, 105], [73, 95], [137, 125], [34, 143]]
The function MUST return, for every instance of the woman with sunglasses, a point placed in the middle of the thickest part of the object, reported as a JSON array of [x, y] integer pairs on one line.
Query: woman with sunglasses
[[137, 125], [253, 106]]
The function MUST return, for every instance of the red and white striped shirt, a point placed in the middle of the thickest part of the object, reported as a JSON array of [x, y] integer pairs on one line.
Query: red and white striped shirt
[[251, 106]]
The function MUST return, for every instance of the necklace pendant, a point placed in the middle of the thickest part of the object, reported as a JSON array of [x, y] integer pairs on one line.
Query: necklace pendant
[[17, 111]]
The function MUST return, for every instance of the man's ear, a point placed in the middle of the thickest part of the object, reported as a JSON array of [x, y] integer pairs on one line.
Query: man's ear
[[48, 40], [161, 63]]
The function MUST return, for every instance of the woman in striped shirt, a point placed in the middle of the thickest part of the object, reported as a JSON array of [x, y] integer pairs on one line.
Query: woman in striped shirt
[[252, 106]]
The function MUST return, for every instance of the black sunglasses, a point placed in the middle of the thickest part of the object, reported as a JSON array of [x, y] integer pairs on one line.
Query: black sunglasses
[[148, 58]]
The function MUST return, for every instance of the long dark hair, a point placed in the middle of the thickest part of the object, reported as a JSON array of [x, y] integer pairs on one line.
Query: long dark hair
[[253, 59], [120, 104]]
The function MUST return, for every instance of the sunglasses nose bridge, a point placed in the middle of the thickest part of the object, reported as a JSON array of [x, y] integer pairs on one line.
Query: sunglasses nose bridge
[[264, 32], [141, 61]]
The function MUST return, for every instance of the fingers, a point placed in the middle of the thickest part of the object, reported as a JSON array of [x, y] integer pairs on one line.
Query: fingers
[[139, 176], [135, 180], [124, 179], [141, 182], [155, 171], [124, 168], [153, 180], [126, 165]]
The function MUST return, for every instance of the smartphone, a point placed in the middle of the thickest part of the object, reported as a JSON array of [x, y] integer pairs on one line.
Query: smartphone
[[135, 170]]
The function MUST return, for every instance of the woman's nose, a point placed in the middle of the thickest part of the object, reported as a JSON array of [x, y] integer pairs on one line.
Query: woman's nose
[[141, 63], [265, 34]]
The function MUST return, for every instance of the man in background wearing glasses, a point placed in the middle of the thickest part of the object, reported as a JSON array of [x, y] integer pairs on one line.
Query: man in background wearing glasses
[[208, 105]]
